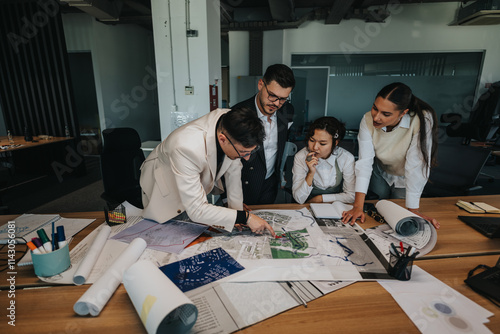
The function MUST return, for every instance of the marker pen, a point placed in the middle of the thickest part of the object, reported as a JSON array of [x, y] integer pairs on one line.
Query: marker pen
[[38, 243], [53, 235], [45, 240], [33, 248], [61, 238]]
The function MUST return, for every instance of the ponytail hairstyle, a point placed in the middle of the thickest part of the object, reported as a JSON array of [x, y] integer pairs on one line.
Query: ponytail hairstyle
[[331, 125], [402, 96]]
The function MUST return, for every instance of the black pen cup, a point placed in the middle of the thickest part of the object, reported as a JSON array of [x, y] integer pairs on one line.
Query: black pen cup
[[400, 266]]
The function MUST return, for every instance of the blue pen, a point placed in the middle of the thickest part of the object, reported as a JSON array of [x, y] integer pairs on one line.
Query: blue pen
[[53, 237], [61, 238]]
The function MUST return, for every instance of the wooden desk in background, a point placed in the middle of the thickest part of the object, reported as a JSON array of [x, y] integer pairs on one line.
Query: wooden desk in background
[[51, 309], [36, 158], [19, 140]]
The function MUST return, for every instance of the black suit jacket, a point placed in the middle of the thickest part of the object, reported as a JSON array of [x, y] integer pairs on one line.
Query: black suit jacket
[[254, 170]]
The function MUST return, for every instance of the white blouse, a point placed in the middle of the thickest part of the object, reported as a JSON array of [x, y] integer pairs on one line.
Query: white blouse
[[415, 177], [325, 176]]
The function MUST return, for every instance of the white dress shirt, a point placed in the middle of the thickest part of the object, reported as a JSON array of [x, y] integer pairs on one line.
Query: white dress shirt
[[415, 176], [325, 176], [271, 140]]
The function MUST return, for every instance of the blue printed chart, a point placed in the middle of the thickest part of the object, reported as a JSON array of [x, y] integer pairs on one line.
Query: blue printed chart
[[201, 269]]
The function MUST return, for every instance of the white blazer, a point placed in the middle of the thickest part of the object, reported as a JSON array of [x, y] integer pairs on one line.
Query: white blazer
[[180, 172]]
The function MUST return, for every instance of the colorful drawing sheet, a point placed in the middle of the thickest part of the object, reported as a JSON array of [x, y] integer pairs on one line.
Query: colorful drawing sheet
[[172, 237], [201, 269]]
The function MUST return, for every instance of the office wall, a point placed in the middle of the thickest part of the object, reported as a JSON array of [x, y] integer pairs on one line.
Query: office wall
[[411, 28], [123, 61], [239, 58], [185, 61]]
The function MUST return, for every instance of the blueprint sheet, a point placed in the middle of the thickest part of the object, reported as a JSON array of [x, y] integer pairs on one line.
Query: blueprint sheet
[[303, 250]]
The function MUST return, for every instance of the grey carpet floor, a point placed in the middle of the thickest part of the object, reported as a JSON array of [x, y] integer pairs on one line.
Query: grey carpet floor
[[84, 199]]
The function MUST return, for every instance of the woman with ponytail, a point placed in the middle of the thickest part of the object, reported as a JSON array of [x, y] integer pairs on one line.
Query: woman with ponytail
[[397, 148]]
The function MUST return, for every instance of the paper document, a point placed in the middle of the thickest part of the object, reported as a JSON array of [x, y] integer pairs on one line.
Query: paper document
[[172, 236], [92, 255], [97, 295], [28, 224], [435, 307], [162, 307]]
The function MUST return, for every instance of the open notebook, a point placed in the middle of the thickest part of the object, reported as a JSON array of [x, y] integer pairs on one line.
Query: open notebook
[[329, 210]]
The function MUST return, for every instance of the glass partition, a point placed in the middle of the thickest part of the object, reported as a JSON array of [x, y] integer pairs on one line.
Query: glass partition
[[345, 86]]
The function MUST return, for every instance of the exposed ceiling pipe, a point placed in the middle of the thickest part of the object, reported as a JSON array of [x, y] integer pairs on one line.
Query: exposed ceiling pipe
[[102, 10]]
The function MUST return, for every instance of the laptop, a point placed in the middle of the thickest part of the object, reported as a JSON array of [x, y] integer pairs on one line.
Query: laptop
[[488, 226], [487, 282]]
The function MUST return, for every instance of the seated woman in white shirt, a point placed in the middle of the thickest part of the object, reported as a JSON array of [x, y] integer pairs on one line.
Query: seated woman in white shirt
[[323, 171], [397, 145]]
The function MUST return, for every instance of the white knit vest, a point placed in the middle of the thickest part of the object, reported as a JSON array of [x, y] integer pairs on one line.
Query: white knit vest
[[391, 147]]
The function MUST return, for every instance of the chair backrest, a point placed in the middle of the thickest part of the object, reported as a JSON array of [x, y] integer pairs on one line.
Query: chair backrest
[[289, 151], [484, 120], [485, 113], [121, 159]]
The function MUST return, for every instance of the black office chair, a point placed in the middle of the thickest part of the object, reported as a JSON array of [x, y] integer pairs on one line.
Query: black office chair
[[484, 120], [457, 170], [121, 159]]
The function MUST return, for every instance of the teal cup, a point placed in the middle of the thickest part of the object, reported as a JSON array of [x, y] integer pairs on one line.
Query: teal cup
[[52, 263]]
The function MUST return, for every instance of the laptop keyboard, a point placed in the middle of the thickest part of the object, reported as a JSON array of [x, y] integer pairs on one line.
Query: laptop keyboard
[[488, 228], [494, 277]]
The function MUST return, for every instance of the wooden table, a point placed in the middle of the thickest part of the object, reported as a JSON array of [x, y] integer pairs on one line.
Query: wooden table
[[455, 238], [51, 309], [359, 308], [37, 141]]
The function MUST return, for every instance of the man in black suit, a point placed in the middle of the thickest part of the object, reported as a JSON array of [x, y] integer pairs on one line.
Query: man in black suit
[[260, 174]]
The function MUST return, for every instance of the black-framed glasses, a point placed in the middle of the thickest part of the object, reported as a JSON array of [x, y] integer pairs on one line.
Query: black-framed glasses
[[239, 155], [273, 98]]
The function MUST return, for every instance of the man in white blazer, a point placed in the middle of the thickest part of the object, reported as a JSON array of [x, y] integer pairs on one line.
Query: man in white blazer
[[177, 176]]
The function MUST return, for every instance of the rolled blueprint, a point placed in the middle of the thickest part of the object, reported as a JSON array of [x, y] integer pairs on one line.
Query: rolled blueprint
[[161, 305], [402, 221], [95, 298], [85, 267]]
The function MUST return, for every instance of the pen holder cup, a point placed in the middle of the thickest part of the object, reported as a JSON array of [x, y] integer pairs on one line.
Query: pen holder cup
[[400, 267], [116, 216], [52, 263]]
